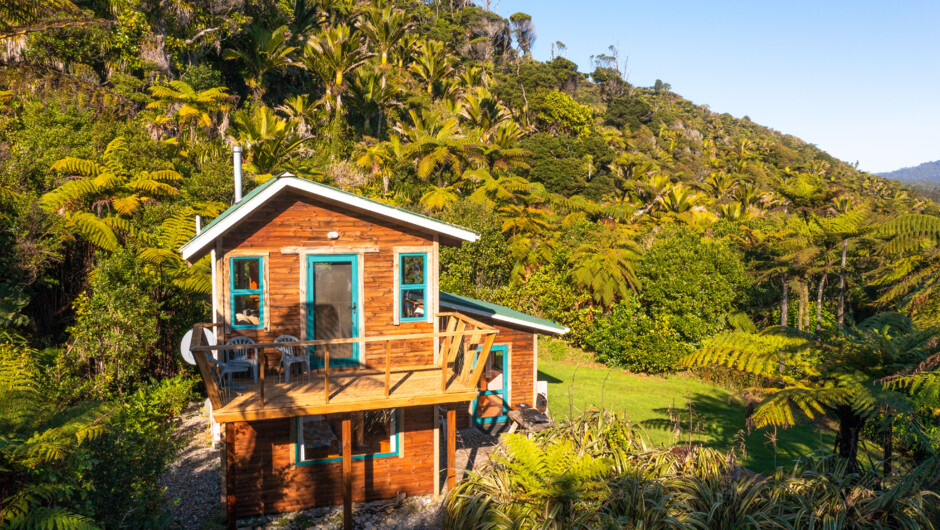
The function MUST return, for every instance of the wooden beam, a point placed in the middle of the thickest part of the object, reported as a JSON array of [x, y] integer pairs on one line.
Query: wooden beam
[[326, 374], [262, 363], [451, 447], [347, 473], [481, 361], [435, 410], [230, 476], [455, 343], [205, 370], [329, 250], [269, 413], [388, 366], [445, 344], [465, 318]]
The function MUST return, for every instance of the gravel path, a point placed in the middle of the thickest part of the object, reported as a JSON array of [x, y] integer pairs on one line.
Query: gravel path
[[193, 479]]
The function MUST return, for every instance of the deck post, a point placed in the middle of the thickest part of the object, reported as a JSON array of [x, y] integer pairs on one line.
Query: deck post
[[260, 359], [347, 473], [388, 366], [230, 475], [436, 411], [326, 374], [451, 447]]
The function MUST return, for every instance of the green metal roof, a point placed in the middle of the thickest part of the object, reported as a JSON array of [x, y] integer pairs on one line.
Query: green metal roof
[[501, 313], [247, 199]]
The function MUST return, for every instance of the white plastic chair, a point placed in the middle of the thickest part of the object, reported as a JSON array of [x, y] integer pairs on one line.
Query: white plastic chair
[[290, 358], [239, 357], [222, 373]]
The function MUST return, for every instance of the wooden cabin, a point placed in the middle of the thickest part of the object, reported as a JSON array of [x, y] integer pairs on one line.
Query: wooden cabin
[[346, 354]]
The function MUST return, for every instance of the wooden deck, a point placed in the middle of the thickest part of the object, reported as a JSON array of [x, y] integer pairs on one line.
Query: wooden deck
[[350, 390], [464, 347]]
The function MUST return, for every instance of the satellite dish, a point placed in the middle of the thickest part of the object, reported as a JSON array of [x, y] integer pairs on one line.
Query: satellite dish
[[187, 341]]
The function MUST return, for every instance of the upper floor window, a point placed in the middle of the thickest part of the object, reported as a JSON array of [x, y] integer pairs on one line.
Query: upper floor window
[[413, 287], [247, 293], [374, 434]]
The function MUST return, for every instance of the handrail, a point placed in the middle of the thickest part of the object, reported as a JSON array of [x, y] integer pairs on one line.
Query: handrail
[[464, 337], [352, 340]]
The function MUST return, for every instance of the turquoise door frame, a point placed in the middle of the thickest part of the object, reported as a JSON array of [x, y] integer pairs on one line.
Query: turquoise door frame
[[353, 260], [503, 393]]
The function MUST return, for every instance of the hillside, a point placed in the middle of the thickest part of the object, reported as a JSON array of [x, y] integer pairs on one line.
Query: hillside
[[648, 225], [926, 172]]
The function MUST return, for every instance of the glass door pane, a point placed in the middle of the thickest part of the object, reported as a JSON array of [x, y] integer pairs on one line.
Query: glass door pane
[[333, 297]]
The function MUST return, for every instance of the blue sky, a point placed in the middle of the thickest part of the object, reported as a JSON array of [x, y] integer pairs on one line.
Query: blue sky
[[859, 79]]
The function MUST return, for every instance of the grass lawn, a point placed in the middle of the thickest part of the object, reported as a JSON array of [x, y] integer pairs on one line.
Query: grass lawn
[[717, 415]]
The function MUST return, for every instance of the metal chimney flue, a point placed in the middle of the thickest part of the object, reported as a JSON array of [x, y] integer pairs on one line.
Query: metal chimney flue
[[198, 224], [237, 159]]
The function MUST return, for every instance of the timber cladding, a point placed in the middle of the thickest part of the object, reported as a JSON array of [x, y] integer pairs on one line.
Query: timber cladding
[[292, 226], [521, 366], [262, 478]]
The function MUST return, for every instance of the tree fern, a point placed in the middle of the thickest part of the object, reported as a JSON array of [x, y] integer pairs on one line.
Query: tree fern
[[93, 229], [841, 374]]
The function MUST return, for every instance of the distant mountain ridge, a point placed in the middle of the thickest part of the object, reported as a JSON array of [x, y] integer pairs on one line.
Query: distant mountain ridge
[[928, 171]]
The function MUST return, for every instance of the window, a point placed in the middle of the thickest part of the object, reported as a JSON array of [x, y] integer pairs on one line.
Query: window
[[374, 434], [247, 293], [412, 287]]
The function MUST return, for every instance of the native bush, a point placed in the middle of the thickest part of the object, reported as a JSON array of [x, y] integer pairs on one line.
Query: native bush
[[75, 466], [116, 328], [689, 487], [692, 283], [628, 337]]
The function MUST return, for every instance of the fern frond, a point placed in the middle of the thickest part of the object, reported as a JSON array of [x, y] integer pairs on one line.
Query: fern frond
[[78, 166], [127, 205], [165, 175], [153, 187], [71, 191], [158, 256], [94, 230]]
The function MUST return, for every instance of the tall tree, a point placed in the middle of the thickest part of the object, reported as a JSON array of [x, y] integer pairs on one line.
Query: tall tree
[[197, 109], [524, 30], [333, 54], [432, 64], [263, 51]]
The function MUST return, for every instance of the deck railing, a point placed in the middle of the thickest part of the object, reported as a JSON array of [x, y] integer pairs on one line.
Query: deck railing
[[465, 346]]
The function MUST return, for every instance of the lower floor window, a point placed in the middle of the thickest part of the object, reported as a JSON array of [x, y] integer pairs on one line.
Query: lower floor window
[[374, 434]]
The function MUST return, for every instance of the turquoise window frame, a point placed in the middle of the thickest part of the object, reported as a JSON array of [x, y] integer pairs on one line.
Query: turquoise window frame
[[402, 287], [248, 292], [353, 260], [355, 458]]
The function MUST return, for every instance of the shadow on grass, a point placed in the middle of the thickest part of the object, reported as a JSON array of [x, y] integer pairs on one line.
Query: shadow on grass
[[720, 423], [550, 378]]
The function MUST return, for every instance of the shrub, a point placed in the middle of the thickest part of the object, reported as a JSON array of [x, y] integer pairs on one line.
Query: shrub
[[115, 331], [692, 283], [558, 112], [628, 337], [66, 466]]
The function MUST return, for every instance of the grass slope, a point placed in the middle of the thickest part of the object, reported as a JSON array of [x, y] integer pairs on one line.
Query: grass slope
[[717, 415]]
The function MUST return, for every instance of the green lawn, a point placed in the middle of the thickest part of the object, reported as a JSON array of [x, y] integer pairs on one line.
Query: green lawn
[[717, 415]]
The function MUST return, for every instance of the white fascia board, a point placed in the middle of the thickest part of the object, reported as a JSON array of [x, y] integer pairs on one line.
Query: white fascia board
[[204, 239], [509, 320]]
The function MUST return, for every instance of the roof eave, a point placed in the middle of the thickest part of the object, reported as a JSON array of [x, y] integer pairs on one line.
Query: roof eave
[[555, 330], [198, 245]]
